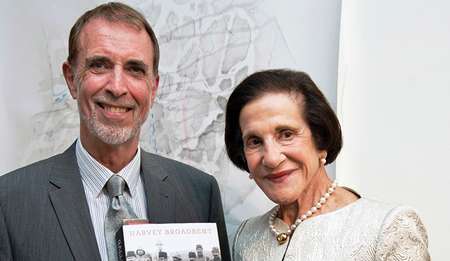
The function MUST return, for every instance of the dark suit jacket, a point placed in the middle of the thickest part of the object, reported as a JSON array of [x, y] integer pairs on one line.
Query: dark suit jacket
[[44, 214]]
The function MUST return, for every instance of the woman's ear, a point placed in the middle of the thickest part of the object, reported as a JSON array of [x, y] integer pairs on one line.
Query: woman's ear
[[323, 157]]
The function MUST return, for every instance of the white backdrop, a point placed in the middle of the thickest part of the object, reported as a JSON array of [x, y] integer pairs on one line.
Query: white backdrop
[[198, 71], [393, 102]]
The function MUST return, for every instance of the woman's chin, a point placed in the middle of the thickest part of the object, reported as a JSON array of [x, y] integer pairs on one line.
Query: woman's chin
[[282, 200]]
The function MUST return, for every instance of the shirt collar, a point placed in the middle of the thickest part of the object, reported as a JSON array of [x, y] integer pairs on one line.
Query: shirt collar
[[94, 175]]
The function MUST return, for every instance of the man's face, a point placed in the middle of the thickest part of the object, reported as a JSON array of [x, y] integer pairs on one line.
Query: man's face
[[112, 80]]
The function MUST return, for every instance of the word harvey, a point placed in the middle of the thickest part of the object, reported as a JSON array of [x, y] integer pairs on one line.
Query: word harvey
[[169, 231]]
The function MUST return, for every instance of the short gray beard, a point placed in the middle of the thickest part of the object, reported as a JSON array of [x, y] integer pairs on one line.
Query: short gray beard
[[109, 134]]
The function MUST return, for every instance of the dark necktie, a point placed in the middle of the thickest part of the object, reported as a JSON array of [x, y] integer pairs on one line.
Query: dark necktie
[[118, 210]]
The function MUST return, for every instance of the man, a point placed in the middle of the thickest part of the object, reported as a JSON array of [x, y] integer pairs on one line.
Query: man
[[200, 256], [192, 256], [216, 254], [55, 209]]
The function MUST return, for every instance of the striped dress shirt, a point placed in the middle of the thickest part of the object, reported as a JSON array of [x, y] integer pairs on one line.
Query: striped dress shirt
[[94, 177]]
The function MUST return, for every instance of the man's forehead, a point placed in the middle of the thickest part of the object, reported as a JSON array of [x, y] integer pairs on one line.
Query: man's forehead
[[96, 25], [99, 31]]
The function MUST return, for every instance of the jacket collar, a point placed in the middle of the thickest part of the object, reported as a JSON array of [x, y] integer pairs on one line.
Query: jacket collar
[[67, 196]]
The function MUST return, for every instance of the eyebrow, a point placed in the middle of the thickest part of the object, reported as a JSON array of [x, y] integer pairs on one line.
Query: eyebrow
[[137, 63], [283, 127], [96, 58], [299, 130], [104, 59], [244, 137]]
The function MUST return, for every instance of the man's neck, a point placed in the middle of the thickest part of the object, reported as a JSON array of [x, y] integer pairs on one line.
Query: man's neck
[[113, 157]]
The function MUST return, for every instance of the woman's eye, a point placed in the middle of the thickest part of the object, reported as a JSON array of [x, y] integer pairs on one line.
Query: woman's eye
[[252, 143], [286, 135]]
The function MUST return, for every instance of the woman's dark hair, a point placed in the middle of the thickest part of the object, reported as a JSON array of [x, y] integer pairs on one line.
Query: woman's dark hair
[[317, 112]]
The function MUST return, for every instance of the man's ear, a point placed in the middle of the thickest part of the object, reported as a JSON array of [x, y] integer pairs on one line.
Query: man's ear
[[69, 75], [154, 89]]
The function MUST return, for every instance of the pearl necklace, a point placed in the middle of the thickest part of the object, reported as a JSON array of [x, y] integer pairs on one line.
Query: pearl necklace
[[282, 237]]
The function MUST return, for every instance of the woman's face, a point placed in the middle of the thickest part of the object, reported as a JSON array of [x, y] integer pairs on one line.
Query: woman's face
[[278, 146]]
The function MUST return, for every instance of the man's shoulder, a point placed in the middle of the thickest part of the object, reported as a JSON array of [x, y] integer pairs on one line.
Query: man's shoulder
[[173, 167], [31, 169], [24, 183], [32, 172]]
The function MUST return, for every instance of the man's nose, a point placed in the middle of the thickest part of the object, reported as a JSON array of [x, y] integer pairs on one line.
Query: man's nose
[[273, 155], [118, 84]]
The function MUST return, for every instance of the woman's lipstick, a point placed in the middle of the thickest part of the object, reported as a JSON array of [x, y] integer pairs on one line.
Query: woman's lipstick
[[280, 176]]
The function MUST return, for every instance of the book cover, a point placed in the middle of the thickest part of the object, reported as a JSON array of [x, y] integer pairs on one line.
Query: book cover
[[169, 242]]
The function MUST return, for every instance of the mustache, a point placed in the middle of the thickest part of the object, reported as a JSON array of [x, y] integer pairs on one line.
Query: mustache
[[107, 98]]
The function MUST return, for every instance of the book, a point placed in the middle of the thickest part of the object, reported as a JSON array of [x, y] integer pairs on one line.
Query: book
[[167, 242]]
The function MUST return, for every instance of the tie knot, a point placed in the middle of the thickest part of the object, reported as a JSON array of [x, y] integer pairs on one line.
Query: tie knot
[[115, 185]]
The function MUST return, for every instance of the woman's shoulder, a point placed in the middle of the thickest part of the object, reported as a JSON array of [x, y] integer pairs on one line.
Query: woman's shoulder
[[397, 228], [403, 234], [255, 224], [252, 237], [383, 210], [371, 205], [377, 213], [352, 202]]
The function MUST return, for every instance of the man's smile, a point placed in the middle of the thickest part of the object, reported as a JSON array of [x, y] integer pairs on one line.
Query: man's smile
[[113, 108]]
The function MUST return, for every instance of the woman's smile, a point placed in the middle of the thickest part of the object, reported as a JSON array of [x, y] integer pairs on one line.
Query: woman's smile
[[280, 177]]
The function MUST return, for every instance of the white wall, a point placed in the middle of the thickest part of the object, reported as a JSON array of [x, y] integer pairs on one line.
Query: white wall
[[30, 66], [312, 36], [21, 70], [393, 102]]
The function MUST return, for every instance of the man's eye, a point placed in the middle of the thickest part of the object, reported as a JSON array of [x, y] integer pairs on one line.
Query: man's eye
[[98, 67], [137, 70]]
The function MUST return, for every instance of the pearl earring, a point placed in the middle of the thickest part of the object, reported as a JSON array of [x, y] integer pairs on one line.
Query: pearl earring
[[323, 161]]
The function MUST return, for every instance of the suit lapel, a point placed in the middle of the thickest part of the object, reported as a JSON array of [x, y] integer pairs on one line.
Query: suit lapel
[[160, 195], [69, 202]]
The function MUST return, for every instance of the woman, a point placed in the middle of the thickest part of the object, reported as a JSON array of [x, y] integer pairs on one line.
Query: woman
[[281, 129]]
